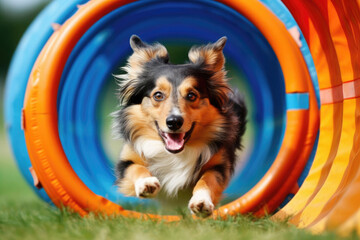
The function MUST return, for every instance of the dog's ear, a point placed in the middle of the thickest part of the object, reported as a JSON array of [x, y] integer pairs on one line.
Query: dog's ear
[[136, 43], [142, 53], [210, 55], [211, 58]]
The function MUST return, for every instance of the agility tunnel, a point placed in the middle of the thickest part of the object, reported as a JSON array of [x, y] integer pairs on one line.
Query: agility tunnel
[[296, 61]]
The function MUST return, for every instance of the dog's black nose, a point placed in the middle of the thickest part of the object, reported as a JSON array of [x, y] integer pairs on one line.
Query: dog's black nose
[[174, 122]]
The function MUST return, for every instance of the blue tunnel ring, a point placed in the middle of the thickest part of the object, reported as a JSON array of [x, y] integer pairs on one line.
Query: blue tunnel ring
[[73, 139]]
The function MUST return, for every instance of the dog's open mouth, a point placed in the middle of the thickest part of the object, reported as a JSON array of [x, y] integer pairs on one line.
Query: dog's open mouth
[[175, 142]]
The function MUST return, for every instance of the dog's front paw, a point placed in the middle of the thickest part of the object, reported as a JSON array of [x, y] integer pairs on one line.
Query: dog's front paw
[[147, 187], [201, 204]]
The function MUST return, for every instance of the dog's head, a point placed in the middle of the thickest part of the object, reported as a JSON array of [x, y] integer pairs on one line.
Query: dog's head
[[180, 104]]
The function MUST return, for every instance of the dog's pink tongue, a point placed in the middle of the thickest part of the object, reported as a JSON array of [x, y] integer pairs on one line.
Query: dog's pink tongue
[[174, 141]]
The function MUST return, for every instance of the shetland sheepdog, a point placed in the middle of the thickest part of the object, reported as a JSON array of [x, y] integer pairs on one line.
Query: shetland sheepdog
[[181, 125]]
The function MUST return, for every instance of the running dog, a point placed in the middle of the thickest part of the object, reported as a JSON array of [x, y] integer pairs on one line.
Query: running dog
[[181, 124]]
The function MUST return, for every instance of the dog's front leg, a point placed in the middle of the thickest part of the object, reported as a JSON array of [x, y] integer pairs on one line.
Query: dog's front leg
[[134, 179], [208, 190]]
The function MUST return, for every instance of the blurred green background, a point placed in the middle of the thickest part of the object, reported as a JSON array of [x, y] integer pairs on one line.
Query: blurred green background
[[15, 17]]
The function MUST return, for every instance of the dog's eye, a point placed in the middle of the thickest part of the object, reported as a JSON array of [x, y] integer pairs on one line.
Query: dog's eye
[[191, 96], [158, 96]]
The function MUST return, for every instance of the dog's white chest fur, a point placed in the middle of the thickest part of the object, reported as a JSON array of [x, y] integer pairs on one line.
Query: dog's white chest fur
[[174, 171]]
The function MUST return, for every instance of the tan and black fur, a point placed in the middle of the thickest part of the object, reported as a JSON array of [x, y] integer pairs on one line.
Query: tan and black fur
[[181, 125]]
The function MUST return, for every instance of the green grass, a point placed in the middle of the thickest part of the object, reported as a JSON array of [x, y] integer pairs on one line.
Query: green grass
[[38, 221], [24, 216]]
